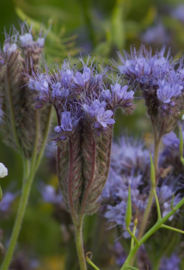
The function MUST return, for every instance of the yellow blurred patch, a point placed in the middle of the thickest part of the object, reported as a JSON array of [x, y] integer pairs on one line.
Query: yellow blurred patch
[[52, 263]]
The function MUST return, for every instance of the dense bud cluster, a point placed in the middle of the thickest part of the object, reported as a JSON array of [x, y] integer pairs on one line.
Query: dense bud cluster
[[20, 57], [160, 81], [85, 110]]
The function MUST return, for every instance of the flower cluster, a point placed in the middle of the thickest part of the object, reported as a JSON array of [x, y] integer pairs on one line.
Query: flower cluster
[[85, 113], [160, 81], [76, 95], [19, 58], [130, 167]]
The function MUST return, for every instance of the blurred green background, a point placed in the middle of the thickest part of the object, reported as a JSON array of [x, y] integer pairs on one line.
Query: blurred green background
[[81, 26]]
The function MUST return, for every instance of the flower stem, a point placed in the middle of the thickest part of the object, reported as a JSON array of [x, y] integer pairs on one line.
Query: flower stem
[[17, 226], [28, 176], [79, 245], [152, 190], [151, 195], [157, 226]]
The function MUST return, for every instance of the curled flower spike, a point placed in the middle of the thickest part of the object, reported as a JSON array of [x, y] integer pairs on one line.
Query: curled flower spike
[[84, 130], [156, 76], [20, 56]]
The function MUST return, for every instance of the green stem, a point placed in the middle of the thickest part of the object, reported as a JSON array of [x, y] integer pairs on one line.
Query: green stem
[[18, 222], [157, 226], [131, 267], [27, 183], [151, 195], [133, 236], [91, 263], [146, 214], [79, 246], [132, 239], [157, 204], [172, 229], [39, 157]]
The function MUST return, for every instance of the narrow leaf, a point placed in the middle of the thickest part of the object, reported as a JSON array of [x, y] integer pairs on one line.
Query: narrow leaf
[[128, 216]]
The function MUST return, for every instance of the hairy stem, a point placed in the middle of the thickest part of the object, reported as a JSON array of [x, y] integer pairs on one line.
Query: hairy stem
[[79, 245], [29, 172], [20, 215]]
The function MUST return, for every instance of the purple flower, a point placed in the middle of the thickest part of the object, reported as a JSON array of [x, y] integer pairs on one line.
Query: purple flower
[[128, 155], [94, 107], [40, 83], [144, 67], [9, 48], [66, 77], [178, 12], [40, 42], [81, 79], [171, 140], [58, 91], [165, 196], [106, 95], [66, 123], [121, 92], [115, 195], [26, 40], [168, 90], [156, 35], [104, 117], [8, 198]]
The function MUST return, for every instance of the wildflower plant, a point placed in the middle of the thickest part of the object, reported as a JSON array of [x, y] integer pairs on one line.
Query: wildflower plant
[[85, 98], [85, 109], [23, 128]]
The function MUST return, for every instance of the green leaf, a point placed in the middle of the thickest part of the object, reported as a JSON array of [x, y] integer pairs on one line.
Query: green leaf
[[128, 216], [117, 24]]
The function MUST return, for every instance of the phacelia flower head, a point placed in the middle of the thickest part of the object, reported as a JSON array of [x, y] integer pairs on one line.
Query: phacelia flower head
[[115, 196], [144, 67], [84, 130], [130, 155], [155, 74], [19, 59]]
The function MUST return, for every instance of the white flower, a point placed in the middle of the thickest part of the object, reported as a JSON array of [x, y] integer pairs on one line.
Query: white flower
[[3, 170]]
